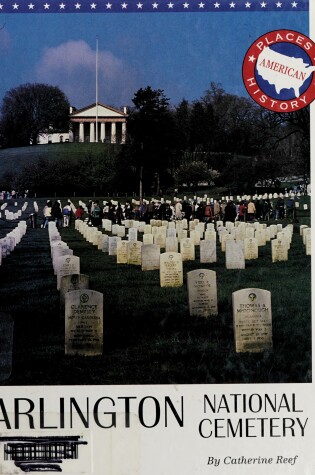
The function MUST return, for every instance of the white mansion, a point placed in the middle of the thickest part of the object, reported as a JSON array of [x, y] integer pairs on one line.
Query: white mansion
[[94, 123]]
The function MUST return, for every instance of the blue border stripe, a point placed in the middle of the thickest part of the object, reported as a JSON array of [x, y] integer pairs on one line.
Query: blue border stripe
[[152, 6]]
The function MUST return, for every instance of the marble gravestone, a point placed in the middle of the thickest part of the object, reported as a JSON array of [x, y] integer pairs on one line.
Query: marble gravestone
[[84, 323], [134, 253], [122, 252], [208, 252], [150, 257], [187, 249], [66, 265], [171, 269], [234, 254], [252, 320], [202, 293], [72, 282], [279, 250], [147, 239], [250, 248]]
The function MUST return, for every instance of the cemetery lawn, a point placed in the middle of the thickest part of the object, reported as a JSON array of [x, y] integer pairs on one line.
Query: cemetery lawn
[[149, 337]]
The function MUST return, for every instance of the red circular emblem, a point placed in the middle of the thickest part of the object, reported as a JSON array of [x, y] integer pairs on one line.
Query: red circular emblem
[[278, 71]]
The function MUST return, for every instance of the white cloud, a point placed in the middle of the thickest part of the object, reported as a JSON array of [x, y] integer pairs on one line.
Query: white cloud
[[72, 67]]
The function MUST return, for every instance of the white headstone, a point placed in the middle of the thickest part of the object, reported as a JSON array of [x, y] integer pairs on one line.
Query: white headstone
[[171, 269], [250, 248], [84, 323], [187, 249], [208, 252], [147, 239], [234, 255], [122, 252], [150, 257], [66, 265], [171, 244], [202, 293], [252, 320], [279, 250], [112, 245], [134, 253], [72, 282]]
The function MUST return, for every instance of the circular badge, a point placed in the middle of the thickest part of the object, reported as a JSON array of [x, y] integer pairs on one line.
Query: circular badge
[[278, 71], [84, 298]]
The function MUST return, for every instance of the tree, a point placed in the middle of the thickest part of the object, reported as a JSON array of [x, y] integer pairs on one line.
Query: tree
[[193, 173], [151, 131], [30, 110]]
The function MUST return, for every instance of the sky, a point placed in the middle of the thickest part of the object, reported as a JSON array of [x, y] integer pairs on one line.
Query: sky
[[180, 53]]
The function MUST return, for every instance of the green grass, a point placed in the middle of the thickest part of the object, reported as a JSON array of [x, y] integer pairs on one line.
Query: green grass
[[149, 337], [12, 160]]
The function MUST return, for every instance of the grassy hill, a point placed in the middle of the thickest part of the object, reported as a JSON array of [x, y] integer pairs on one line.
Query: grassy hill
[[12, 160]]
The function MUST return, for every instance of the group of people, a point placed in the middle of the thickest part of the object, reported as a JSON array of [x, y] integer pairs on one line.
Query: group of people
[[12, 195], [205, 211], [54, 212]]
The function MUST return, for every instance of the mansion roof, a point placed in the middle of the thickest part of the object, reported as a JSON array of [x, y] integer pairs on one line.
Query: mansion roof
[[103, 111]]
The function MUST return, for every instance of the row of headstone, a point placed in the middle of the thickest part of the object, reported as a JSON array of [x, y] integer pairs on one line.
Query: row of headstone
[[243, 241], [10, 215], [81, 307], [7, 245], [10, 241], [63, 260], [251, 307], [306, 233]]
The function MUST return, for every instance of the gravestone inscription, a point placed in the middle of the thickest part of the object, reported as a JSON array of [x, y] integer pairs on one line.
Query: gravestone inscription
[[202, 293], [252, 320], [84, 323]]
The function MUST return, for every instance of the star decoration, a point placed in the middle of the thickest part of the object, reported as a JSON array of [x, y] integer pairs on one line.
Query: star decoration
[[93, 6], [15, 6], [232, 5], [108, 6], [263, 5], [155, 5], [201, 5], [294, 5], [77, 6], [1, 6], [251, 58], [124, 6], [278, 4], [185, 5], [170, 5], [31, 6], [139, 5], [46, 6], [247, 5], [216, 5], [62, 6]]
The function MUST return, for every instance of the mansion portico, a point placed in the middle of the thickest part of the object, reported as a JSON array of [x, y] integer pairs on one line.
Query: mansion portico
[[98, 123]]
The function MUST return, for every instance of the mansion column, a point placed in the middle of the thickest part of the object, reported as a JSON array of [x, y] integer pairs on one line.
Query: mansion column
[[113, 132], [102, 131], [123, 132], [92, 132], [81, 132]]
